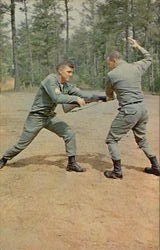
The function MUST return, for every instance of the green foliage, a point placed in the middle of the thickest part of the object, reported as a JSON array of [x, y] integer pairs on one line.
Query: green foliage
[[5, 50], [45, 41], [105, 26]]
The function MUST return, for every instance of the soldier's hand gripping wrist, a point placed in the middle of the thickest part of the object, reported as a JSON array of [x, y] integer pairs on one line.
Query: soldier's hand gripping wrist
[[80, 101], [133, 43]]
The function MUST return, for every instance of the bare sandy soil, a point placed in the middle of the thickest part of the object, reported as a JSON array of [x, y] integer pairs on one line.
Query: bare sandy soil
[[44, 207]]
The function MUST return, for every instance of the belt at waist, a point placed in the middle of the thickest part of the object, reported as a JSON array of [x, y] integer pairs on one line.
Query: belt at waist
[[131, 103], [41, 113]]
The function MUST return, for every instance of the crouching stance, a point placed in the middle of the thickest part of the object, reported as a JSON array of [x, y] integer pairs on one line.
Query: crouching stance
[[54, 89], [125, 80]]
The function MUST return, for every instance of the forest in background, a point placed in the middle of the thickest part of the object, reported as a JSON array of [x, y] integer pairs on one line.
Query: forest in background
[[34, 48]]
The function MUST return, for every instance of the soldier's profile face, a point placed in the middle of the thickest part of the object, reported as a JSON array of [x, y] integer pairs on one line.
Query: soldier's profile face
[[65, 73]]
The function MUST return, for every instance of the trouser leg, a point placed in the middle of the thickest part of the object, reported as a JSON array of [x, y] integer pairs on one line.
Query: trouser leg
[[31, 128], [140, 136], [119, 128], [113, 149], [139, 131], [64, 131]]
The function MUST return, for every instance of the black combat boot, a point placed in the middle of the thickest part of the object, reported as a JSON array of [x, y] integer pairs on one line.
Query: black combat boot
[[155, 168], [3, 162], [116, 173], [73, 166]]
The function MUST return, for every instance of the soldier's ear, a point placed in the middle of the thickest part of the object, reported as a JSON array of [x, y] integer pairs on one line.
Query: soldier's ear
[[60, 71]]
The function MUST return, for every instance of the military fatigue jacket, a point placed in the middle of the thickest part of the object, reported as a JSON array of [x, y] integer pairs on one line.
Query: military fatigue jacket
[[125, 80], [51, 93]]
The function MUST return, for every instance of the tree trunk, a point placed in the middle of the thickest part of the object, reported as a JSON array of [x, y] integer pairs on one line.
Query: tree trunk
[[128, 29], [133, 20], [29, 42], [1, 71], [151, 80], [67, 26], [127, 44], [14, 46]]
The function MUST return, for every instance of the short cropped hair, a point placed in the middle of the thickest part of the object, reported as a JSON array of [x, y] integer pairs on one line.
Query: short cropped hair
[[114, 55], [64, 64]]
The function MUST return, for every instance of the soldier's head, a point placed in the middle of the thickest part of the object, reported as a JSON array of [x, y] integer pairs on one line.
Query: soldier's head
[[112, 59], [65, 71]]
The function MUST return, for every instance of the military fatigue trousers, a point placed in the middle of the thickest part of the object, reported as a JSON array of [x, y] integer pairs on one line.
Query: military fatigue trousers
[[132, 116], [33, 124]]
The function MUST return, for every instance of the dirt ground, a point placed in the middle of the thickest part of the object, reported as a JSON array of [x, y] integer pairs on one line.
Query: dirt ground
[[44, 207]]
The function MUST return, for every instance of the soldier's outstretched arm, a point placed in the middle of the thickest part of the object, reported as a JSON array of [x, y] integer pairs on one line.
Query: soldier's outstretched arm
[[143, 64], [57, 96]]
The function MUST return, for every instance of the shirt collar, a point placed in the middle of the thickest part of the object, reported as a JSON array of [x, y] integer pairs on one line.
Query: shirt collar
[[61, 86], [58, 80], [121, 61]]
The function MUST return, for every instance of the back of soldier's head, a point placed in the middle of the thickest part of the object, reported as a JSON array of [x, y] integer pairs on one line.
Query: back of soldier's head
[[112, 59], [114, 55]]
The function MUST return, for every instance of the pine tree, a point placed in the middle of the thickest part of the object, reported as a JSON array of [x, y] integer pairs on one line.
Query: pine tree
[[5, 48], [47, 28], [14, 45]]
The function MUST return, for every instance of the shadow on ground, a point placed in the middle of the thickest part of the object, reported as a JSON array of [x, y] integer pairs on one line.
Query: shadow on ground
[[94, 160]]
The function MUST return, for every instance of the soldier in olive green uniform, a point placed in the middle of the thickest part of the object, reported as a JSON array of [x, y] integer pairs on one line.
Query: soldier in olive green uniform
[[54, 89], [125, 80]]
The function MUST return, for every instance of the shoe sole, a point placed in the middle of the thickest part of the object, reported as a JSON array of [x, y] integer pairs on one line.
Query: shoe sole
[[157, 174], [113, 176], [71, 170]]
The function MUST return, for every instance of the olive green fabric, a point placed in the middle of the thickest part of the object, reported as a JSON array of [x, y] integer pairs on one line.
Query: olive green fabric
[[135, 117], [125, 81], [51, 93], [42, 115], [33, 124]]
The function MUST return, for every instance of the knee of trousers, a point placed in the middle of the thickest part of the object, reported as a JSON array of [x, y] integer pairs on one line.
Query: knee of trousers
[[69, 136], [110, 140], [142, 142]]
